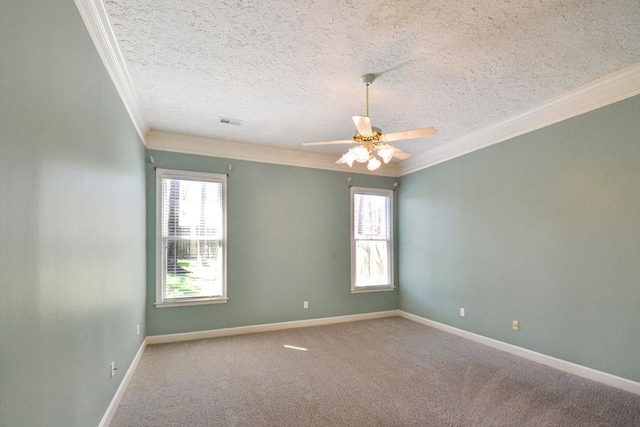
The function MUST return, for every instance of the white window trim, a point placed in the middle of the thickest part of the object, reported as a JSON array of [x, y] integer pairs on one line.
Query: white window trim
[[377, 288], [160, 279]]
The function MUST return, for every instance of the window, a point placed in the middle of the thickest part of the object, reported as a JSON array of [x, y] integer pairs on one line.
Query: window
[[191, 238], [371, 239]]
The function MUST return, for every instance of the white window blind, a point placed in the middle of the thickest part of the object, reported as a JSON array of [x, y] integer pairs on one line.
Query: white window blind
[[191, 236], [372, 239]]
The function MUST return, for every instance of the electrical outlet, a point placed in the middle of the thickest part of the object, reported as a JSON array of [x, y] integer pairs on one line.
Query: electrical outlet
[[515, 325], [462, 312], [306, 304], [138, 327], [113, 369]]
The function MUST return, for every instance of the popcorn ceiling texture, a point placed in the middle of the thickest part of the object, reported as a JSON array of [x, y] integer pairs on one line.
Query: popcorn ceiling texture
[[290, 69]]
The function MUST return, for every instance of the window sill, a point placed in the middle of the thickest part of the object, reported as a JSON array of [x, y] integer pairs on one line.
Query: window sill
[[190, 302], [366, 289]]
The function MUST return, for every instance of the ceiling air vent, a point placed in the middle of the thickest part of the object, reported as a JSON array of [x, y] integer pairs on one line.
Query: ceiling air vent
[[229, 121]]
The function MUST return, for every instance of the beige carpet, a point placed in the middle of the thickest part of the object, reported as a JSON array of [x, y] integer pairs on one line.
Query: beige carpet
[[385, 372]]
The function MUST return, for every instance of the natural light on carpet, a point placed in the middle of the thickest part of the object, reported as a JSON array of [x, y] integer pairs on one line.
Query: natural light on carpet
[[295, 348]]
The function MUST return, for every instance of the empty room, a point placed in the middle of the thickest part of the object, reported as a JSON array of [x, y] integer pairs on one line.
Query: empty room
[[305, 213]]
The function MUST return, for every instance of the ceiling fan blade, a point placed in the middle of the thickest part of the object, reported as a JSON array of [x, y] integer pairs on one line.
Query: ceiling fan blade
[[363, 124], [341, 141], [410, 134], [400, 154]]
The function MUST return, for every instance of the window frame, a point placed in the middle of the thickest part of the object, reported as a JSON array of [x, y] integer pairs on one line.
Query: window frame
[[161, 301], [375, 192]]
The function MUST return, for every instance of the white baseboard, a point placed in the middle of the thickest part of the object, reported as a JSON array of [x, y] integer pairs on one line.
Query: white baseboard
[[214, 333], [563, 365], [188, 336], [111, 410]]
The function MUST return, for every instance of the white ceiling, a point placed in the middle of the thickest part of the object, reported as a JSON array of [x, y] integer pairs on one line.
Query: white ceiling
[[290, 69]]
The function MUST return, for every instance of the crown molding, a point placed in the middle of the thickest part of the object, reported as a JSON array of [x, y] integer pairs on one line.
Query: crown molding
[[97, 22], [599, 93], [203, 146]]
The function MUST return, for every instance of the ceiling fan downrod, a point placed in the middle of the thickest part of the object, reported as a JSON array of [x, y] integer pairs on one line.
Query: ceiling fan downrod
[[366, 80]]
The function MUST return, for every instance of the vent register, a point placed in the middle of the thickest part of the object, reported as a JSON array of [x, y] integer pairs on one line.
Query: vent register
[[230, 121]]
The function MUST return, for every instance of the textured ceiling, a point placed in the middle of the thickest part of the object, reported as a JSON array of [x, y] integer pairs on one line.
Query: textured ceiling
[[290, 69]]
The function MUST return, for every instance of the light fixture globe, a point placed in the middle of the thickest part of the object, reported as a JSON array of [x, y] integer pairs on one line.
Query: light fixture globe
[[362, 154], [373, 164], [386, 153], [349, 157]]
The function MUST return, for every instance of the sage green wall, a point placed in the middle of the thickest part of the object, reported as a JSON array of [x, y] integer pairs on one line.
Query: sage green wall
[[288, 242], [544, 229], [72, 222]]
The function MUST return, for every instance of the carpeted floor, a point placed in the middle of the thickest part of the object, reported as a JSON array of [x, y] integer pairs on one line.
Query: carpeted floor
[[385, 372]]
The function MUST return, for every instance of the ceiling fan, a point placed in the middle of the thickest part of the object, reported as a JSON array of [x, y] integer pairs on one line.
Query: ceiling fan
[[371, 141]]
